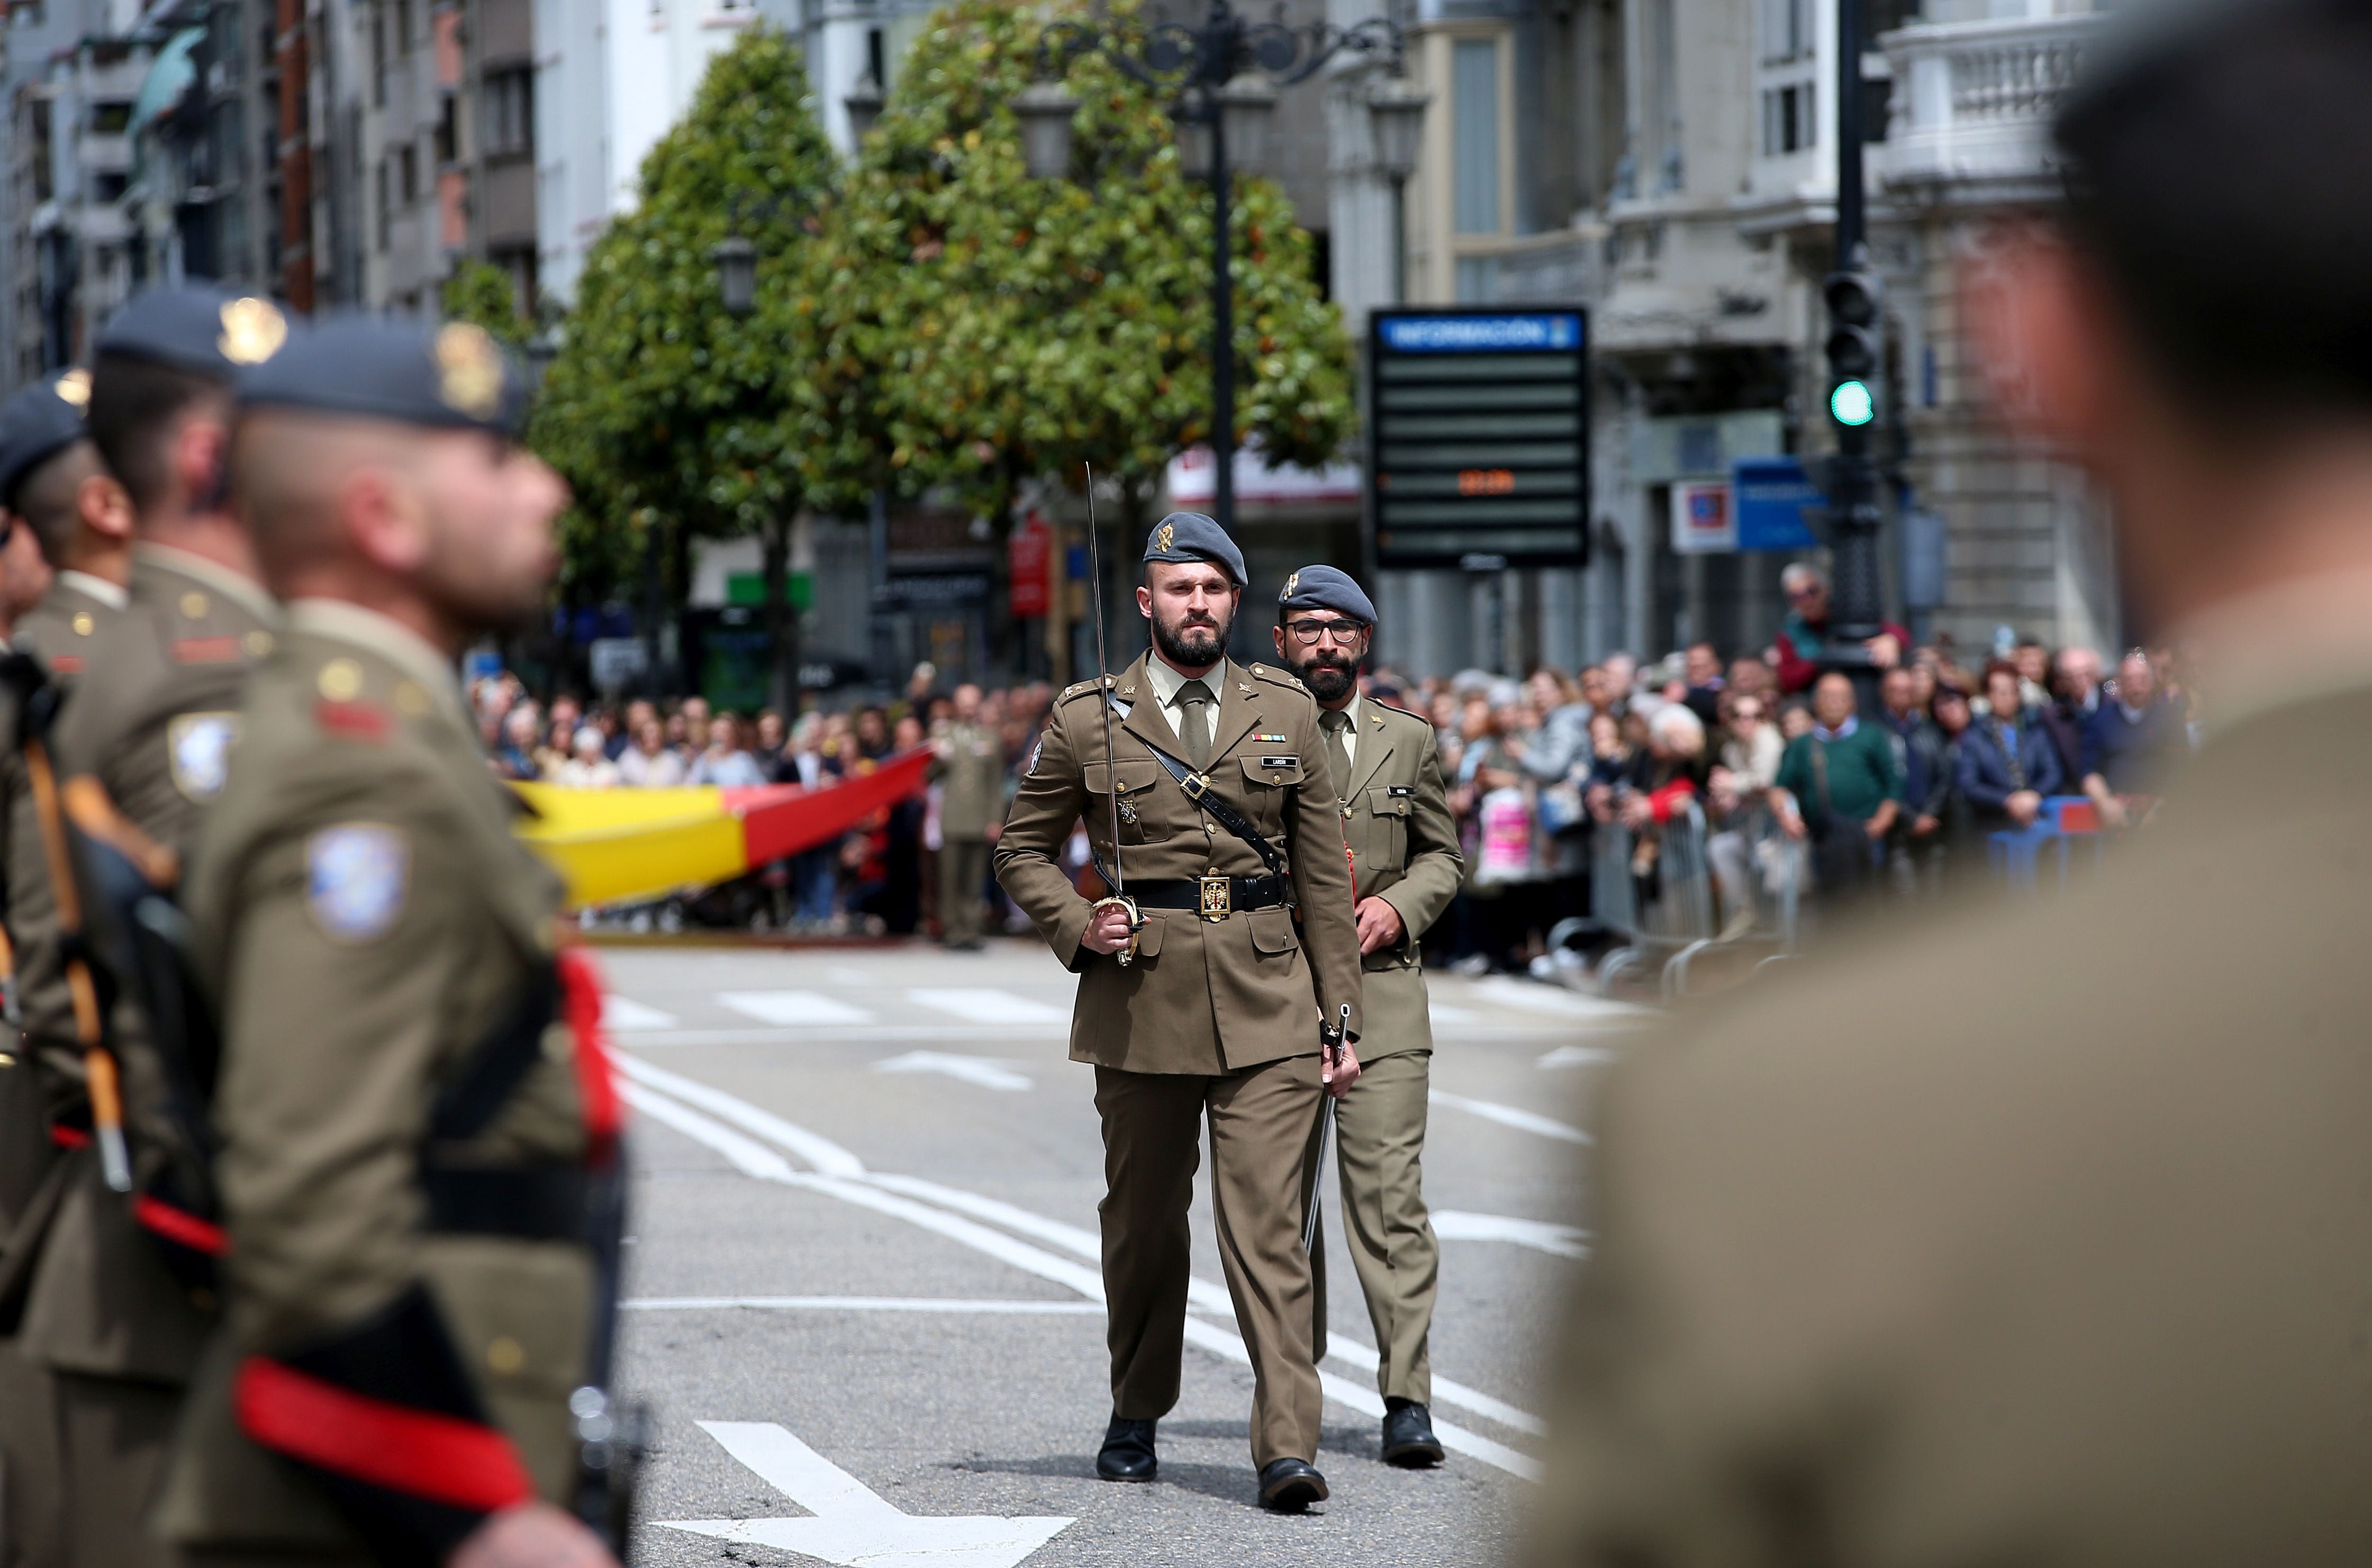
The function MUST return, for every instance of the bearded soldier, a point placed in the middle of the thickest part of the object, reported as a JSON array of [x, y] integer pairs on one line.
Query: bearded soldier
[[1203, 786], [1387, 770]]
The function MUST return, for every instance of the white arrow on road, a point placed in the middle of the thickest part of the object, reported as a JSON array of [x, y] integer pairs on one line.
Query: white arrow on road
[[852, 1526], [987, 1071]]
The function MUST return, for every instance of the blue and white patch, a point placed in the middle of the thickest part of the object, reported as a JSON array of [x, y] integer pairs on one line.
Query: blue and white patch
[[356, 876], [200, 746]]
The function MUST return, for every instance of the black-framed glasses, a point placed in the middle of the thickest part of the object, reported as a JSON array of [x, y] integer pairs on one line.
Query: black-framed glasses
[[1308, 632]]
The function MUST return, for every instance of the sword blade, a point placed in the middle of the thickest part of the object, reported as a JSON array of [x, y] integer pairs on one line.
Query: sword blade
[[1103, 667]]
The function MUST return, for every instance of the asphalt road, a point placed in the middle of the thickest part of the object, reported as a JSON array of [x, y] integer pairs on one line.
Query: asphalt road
[[863, 1302]]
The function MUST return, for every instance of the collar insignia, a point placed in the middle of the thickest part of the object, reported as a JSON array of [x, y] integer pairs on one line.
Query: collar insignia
[[253, 331]]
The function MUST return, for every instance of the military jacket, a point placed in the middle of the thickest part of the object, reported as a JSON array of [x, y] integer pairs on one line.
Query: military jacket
[[1201, 995], [155, 715], [365, 921], [73, 620], [972, 781], [1403, 851]]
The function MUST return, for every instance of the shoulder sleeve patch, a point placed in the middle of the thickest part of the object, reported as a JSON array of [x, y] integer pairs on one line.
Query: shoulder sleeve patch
[[199, 746], [356, 876]]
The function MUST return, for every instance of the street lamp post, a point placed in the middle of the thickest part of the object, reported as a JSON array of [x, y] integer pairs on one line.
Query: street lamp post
[[737, 285], [1854, 352], [1226, 73]]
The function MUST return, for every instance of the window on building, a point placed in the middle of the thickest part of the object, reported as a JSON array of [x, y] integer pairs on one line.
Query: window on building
[[407, 178], [110, 119], [1788, 125], [379, 59], [509, 113], [107, 189], [1478, 280], [448, 131], [386, 203], [404, 26], [1475, 135]]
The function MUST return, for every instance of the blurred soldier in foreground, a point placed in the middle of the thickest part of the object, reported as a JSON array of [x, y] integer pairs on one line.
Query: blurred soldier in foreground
[[54, 493], [970, 765], [2079, 1273], [416, 1119], [1386, 766], [1216, 780]]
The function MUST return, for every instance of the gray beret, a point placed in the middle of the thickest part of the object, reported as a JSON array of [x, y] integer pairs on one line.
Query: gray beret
[[1190, 536], [1326, 587], [36, 423], [455, 376], [208, 331]]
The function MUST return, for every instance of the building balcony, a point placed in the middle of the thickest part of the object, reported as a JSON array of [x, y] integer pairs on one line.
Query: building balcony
[[1974, 103]]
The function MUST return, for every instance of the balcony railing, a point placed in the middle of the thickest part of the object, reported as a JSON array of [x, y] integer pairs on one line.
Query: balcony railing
[[1973, 100]]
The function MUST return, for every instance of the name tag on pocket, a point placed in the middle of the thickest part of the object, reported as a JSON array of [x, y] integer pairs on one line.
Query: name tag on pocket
[[1280, 763], [1397, 790]]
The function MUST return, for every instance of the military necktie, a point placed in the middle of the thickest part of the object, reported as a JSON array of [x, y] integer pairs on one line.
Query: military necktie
[[1194, 702], [1337, 725]]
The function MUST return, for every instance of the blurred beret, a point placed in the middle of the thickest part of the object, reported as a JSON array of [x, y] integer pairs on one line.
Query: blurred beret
[[1326, 587], [208, 331], [36, 423], [455, 376], [1190, 536]]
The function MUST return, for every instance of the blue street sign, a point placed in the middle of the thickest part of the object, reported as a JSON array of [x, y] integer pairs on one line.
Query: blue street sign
[[1775, 502], [1520, 331]]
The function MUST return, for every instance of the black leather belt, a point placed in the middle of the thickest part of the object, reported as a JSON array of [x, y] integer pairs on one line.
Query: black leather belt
[[537, 1204], [1212, 897]]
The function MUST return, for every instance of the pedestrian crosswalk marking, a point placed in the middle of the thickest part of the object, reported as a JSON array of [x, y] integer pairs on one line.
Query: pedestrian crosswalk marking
[[863, 1303], [1578, 1056], [793, 1008], [982, 1005], [619, 1013], [1443, 1012], [1532, 997], [987, 1071]]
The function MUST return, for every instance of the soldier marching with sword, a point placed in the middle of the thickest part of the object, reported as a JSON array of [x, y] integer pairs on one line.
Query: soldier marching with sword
[[1209, 777]]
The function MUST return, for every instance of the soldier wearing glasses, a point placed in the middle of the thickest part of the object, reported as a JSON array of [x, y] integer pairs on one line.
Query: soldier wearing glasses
[[1387, 775]]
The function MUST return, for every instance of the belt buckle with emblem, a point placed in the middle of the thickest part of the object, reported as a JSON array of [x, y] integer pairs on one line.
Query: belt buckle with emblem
[[1196, 787], [1218, 898]]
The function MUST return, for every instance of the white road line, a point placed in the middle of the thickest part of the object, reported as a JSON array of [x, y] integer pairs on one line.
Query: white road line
[[863, 1303], [1508, 1116], [793, 1009], [1531, 997], [883, 1034], [1088, 1282], [1443, 1012], [1203, 1296], [984, 1005], [1565, 1240], [818, 1151], [1578, 1056], [619, 1013], [985, 1070]]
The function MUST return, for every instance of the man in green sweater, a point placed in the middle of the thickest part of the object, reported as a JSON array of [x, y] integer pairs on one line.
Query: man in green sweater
[[1839, 786]]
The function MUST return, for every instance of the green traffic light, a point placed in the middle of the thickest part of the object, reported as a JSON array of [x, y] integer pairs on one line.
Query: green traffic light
[[1852, 403]]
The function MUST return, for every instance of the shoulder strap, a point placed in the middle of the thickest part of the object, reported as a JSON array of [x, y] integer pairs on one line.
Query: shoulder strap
[[494, 1070], [1198, 790]]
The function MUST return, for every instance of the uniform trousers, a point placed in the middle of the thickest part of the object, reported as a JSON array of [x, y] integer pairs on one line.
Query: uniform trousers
[[1260, 1122], [1380, 1165], [963, 872]]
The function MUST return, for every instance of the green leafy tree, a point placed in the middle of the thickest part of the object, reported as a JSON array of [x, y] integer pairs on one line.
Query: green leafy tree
[[673, 419], [1014, 328], [481, 292]]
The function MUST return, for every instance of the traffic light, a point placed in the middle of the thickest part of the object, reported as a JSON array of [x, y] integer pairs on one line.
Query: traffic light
[[1855, 346]]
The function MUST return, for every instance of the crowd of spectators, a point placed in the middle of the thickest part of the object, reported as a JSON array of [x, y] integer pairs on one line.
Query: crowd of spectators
[[1790, 773]]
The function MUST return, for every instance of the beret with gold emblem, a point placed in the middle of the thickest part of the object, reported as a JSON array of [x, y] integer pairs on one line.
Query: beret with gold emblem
[[198, 327], [1190, 536], [36, 423], [455, 376], [1326, 587]]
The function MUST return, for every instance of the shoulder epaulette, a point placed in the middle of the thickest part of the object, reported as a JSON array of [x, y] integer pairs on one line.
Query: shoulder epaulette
[[1276, 677], [1081, 688]]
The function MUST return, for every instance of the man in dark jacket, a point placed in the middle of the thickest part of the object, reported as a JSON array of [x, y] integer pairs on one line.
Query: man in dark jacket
[[2075, 698], [2130, 738], [1922, 758], [2007, 762]]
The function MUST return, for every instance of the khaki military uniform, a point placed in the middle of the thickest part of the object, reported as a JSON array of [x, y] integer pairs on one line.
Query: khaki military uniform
[[1215, 1017], [150, 718], [366, 921], [41, 1077], [1403, 851], [2074, 1271], [972, 794]]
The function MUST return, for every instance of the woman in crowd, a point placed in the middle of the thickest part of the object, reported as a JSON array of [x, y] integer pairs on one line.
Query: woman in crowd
[[724, 762], [649, 763], [588, 765]]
